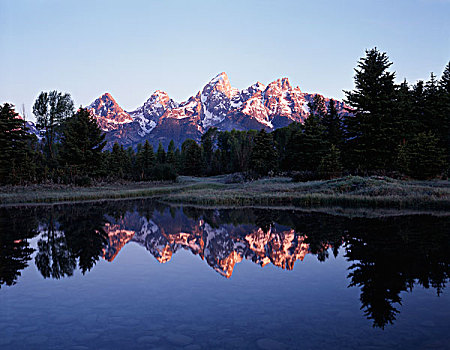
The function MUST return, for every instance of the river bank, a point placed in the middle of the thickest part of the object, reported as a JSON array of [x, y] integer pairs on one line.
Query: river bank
[[350, 191]]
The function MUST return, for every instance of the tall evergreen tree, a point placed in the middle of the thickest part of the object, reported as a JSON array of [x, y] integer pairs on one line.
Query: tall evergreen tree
[[422, 157], [287, 141], [224, 145], [191, 154], [444, 99], [160, 154], [119, 163], [313, 144], [208, 140], [14, 145], [408, 124], [333, 125], [330, 165], [145, 161], [178, 161], [264, 155], [82, 143], [433, 113], [444, 82], [371, 129], [170, 156], [317, 106]]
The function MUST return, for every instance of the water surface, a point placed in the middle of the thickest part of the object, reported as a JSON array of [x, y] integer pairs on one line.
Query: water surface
[[139, 275]]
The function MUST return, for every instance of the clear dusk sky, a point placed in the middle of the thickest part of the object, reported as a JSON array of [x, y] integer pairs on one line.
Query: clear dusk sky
[[132, 48]]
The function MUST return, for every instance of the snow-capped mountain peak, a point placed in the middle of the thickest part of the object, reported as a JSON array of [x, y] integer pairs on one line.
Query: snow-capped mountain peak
[[216, 100], [108, 113], [217, 104], [151, 111]]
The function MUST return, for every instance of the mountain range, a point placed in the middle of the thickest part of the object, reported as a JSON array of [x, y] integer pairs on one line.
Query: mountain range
[[217, 104]]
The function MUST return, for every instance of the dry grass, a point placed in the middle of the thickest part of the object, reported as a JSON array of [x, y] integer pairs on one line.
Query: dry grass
[[351, 191]]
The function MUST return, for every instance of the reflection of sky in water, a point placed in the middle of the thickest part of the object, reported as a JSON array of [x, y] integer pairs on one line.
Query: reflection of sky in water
[[136, 302]]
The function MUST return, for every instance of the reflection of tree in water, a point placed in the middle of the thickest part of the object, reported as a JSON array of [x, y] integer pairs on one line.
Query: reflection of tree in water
[[388, 256], [54, 258], [15, 252], [393, 255], [85, 234], [71, 235]]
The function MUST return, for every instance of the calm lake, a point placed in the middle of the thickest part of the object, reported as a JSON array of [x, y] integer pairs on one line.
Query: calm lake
[[140, 275]]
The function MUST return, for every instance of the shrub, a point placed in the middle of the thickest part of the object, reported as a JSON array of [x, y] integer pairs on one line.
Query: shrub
[[84, 181], [164, 172], [304, 176]]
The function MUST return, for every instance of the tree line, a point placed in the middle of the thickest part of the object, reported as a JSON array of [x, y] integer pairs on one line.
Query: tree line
[[389, 129]]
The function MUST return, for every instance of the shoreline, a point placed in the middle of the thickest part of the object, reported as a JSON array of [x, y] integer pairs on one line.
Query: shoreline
[[345, 192]]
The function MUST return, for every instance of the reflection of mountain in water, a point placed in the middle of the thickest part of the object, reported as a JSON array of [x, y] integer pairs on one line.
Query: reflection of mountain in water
[[221, 247], [387, 255]]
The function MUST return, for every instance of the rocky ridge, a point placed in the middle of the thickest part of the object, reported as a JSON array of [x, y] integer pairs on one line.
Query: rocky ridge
[[218, 104]]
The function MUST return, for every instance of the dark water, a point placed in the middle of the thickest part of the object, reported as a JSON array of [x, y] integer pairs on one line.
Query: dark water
[[140, 275]]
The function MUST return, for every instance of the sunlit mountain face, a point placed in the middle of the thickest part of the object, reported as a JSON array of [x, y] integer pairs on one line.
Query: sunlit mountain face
[[385, 255], [217, 104]]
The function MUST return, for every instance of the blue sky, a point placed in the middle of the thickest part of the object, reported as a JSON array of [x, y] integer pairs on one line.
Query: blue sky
[[131, 48]]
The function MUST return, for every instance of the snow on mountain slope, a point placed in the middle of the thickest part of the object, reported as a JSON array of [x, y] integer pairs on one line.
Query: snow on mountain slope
[[216, 100], [149, 113], [108, 113], [217, 104]]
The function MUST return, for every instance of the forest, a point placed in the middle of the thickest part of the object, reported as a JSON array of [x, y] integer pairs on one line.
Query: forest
[[396, 130]]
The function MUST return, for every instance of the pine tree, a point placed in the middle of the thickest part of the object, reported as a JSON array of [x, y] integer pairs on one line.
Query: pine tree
[[371, 129], [333, 125], [178, 161], [119, 163], [330, 164], [444, 83], [444, 99], [170, 156], [208, 139], [191, 154], [160, 154], [224, 145], [263, 158], [433, 114], [317, 106], [126, 163], [422, 157], [82, 143], [14, 145], [288, 144], [407, 124], [145, 161], [313, 144]]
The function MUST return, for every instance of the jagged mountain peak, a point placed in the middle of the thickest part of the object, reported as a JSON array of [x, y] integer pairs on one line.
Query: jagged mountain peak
[[215, 99], [105, 100], [152, 110], [107, 96], [159, 96], [217, 104], [220, 83], [258, 86], [281, 84], [220, 77], [108, 113]]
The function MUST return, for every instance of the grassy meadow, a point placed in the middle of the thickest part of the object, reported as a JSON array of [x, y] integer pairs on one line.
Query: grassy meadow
[[350, 191]]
